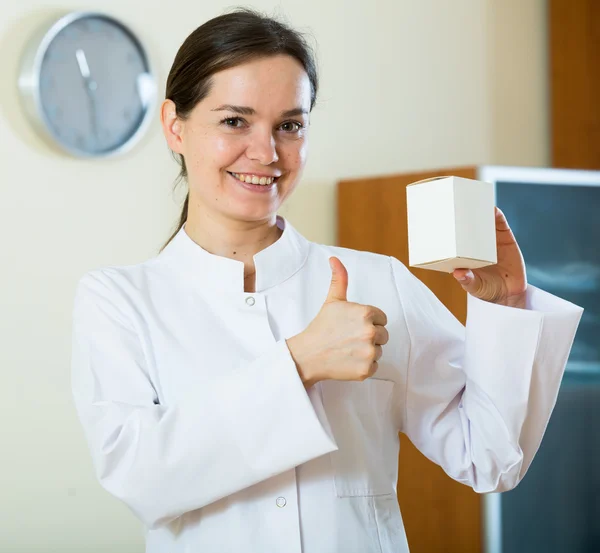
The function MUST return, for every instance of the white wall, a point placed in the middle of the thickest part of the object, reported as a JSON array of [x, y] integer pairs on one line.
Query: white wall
[[406, 85]]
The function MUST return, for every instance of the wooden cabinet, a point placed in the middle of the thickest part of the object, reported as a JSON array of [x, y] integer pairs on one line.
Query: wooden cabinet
[[574, 59], [440, 515]]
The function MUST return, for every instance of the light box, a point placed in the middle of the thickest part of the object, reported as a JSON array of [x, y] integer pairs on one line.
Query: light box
[[451, 224]]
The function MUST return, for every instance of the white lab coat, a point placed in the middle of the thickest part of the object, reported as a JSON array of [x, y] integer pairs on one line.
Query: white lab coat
[[196, 417]]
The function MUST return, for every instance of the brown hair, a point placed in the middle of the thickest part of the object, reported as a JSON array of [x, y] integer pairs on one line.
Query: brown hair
[[221, 43]]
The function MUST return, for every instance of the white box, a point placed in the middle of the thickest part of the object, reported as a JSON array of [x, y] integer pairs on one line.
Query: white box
[[451, 224]]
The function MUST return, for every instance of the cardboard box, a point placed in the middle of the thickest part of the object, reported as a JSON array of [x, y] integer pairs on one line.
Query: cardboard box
[[451, 224]]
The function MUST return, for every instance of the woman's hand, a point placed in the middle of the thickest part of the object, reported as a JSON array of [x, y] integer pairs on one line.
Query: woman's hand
[[505, 282], [343, 342]]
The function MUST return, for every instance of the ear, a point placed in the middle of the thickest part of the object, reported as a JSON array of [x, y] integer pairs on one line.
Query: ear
[[172, 126]]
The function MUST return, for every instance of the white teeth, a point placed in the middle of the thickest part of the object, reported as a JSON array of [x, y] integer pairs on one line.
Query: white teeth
[[253, 179]]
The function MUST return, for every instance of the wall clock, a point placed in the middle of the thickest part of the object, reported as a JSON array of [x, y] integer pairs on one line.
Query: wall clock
[[87, 86]]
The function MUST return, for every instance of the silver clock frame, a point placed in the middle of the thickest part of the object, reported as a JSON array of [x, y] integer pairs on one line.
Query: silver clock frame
[[29, 84]]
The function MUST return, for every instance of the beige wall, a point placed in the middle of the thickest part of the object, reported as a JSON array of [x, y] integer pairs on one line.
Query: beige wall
[[406, 85]]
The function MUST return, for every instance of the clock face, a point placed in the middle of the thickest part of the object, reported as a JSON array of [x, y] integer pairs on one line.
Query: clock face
[[92, 85]]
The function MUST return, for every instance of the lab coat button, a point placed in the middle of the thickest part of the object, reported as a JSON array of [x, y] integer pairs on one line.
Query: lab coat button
[[250, 300], [281, 502]]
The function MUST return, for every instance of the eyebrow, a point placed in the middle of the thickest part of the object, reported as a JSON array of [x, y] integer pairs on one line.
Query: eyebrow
[[245, 110]]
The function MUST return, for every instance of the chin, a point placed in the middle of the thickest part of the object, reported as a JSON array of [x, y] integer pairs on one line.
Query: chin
[[257, 215]]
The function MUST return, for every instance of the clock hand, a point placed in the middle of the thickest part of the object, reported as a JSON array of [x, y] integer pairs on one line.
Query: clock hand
[[84, 68], [90, 87]]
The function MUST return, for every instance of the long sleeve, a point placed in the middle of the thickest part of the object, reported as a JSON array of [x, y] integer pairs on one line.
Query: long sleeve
[[165, 460], [479, 397]]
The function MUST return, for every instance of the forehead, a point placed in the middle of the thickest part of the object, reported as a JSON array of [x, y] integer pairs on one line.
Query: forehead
[[277, 82]]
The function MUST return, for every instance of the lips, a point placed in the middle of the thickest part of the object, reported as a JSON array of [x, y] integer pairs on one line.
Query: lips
[[255, 179], [259, 189]]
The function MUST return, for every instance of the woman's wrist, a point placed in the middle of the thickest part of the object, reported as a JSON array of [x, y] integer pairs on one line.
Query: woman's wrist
[[295, 349], [518, 301]]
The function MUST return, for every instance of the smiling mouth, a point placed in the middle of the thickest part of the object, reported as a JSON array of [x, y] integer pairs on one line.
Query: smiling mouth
[[254, 179]]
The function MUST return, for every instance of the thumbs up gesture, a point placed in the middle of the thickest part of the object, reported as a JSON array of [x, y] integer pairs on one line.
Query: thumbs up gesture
[[343, 342]]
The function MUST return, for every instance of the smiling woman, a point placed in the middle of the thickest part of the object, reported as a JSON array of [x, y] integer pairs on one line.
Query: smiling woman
[[234, 389]]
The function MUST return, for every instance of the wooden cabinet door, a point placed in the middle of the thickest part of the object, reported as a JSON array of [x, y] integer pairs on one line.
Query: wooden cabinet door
[[440, 514], [574, 52]]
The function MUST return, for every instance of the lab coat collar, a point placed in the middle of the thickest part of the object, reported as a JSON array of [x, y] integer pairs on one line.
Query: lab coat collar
[[274, 264]]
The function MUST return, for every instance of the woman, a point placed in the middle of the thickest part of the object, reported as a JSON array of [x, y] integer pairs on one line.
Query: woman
[[244, 389]]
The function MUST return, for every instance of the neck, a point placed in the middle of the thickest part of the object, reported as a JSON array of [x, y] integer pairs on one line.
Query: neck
[[234, 239]]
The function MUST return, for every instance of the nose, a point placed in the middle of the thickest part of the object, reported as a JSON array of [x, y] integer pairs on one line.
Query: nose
[[262, 147]]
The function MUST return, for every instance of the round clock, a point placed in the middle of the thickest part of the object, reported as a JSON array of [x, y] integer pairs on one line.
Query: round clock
[[87, 85]]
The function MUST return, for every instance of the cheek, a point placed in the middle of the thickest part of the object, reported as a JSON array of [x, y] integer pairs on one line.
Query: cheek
[[224, 147], [294, 154], [209, 150]]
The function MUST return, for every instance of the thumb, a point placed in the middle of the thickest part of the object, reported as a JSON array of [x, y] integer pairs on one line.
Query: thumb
[[339, 281], [470, 282]]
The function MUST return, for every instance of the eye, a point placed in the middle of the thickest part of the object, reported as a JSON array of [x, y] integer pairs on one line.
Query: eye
[[232, 122], [292, 126]]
